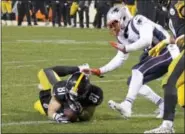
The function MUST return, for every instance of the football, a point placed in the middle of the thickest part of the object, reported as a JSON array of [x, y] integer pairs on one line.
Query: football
[[70, 114]]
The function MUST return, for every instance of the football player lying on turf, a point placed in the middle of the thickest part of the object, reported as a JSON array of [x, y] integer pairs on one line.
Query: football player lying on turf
[[71, 100], [133, 34]]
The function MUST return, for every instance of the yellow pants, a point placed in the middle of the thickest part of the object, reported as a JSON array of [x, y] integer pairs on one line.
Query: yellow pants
[[6, 6], [180, 80], [132, 9], [45, 78], [38, 107]]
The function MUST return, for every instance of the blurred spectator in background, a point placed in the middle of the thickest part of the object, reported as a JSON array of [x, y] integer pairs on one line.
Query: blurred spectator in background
[[66, 4], [23, 8], [147, 8], [39, 5], [73, 11], [131, 4], [102, 7], [84, 7], [67, 10], [162, 16], [56, 11], [6, 7]]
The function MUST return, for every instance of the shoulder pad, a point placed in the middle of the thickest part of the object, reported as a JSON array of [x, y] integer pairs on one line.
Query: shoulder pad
[[139, 19]]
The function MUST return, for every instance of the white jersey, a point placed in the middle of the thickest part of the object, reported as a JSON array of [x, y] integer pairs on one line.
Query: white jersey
[[140, 33]]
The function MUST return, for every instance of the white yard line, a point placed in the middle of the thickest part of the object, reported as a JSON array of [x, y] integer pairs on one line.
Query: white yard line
[[35, 84], [47, 122], [46, 60], [26, 123], [20, 66], [58, 41]]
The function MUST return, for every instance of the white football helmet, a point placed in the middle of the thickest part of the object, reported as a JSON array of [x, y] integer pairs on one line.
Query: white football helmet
[[120, 14]]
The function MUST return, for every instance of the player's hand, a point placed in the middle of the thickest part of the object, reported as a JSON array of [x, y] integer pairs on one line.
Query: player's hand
[[118, 46], [93, 71], [96, 71], [155, 51], [60, 118]]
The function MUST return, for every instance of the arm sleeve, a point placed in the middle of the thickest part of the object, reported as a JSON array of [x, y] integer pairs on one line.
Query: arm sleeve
[[115, 62], [65, 70], [145, 40]]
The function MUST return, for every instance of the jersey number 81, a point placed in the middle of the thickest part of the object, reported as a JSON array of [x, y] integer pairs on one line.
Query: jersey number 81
[[93, 97]]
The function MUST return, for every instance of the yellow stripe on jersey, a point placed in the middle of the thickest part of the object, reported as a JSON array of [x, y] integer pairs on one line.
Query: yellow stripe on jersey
[[75, 89], [179, 5]]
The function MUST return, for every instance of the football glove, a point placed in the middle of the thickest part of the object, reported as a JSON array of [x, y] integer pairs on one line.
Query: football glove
[[155, 51], [118, 46], [93, 71], [60, 118]]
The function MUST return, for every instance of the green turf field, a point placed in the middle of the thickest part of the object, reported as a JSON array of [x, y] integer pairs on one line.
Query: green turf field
[[25, 50]]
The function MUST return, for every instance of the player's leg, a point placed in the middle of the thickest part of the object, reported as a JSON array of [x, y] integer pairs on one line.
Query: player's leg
[[149, 65], [4, 11], [47, 78], [41, 105], [38, 107], [180, 95], [175, 71], [9, 10]]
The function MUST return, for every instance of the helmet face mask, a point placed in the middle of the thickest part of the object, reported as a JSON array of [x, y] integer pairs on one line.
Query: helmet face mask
[[118, 14], [77, 86]]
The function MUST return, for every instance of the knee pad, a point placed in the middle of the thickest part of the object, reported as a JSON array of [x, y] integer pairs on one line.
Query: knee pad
[[181, 95], [38, 107]]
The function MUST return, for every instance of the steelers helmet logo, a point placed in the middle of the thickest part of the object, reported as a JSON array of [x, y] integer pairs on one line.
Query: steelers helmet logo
[[172, 11]]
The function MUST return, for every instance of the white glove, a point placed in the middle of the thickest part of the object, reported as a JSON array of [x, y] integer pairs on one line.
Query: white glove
[[84, 66], [60, 118]]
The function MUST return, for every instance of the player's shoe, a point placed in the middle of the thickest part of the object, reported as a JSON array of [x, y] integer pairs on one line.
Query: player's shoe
[[161, 130], [84, 66], [124, 110]]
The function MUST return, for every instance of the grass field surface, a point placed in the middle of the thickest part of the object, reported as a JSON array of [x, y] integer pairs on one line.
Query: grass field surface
[[26, 50]]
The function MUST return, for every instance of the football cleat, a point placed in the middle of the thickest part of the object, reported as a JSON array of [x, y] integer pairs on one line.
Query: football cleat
[[122, 108], [161, 130]]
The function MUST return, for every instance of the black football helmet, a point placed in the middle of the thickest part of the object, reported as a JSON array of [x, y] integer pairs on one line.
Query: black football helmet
[[77, 86]]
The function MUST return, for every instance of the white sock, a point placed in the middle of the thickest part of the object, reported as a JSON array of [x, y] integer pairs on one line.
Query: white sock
[[148, 93], [135, 85], [167, 123]]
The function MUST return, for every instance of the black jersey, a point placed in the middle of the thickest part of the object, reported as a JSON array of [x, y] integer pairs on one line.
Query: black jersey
[[177, 16], [93, 97]]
